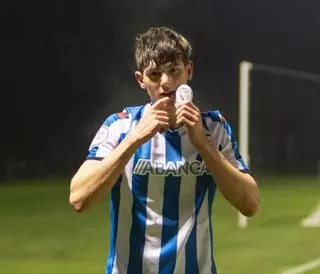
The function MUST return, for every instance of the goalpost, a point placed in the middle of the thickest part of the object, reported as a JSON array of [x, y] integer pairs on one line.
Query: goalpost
[[244, 105]]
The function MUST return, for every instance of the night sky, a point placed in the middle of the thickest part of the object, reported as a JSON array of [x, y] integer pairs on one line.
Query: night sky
[[69, 64]]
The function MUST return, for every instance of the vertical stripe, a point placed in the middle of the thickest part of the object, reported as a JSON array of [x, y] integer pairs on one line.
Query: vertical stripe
[[139, 192], [222, 137], [211, 192], [120, 215], [114, 208], [186, 205], [124, 222], [204, 257], [191, 247], [152, 248], [170, 210], [235, 147]]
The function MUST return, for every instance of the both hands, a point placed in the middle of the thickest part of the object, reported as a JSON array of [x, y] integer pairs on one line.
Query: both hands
[[156, 119]]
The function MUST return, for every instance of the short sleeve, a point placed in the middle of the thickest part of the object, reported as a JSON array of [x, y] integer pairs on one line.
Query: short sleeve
[[223, 138], [110, 134]]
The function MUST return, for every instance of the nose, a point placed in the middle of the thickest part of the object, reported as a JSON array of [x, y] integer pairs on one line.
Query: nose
[[165, 82]]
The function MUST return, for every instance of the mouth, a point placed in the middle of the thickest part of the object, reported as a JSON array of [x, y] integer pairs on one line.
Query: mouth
[[170, 94]]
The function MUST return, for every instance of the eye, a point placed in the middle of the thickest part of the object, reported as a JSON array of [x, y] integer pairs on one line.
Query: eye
[[174, 71], [154, 74]]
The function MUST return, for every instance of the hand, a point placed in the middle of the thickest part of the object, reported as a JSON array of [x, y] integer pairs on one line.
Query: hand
[[188, 114], [155, 120]]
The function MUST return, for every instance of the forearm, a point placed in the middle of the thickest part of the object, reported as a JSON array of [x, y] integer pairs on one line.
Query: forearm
[[94, 180], [239, 188]]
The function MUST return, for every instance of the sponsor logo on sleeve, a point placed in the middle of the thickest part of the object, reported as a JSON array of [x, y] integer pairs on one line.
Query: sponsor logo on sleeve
[[101, 136]]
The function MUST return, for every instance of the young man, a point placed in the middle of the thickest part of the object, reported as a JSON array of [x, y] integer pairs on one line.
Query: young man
[[162, 163]]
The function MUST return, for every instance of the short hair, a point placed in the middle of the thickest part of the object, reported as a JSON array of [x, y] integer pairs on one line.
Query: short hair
[[161, 45]]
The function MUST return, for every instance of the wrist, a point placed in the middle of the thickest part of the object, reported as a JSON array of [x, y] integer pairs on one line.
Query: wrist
[[205, 147], [202, 142], [134, 140]]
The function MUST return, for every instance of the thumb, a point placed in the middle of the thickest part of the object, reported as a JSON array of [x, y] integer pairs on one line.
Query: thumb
[[159, 104]]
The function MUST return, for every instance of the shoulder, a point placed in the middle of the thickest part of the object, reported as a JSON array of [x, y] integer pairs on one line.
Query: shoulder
[[214, 116], [135, 111], [126, 115], [214, 121]]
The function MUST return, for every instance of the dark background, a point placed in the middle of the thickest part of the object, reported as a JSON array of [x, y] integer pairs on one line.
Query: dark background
[[69, 64]]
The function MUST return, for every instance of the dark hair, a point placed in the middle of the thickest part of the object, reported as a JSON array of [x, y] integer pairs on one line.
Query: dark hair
[[161, 45]]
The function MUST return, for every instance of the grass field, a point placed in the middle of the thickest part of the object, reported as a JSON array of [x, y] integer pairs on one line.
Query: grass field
[[39, 232]]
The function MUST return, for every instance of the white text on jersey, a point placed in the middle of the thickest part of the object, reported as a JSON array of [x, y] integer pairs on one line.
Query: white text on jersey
[[177, 168]]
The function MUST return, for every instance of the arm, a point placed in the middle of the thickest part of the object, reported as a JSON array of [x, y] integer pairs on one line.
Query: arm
[[239, 188], [94, 179]]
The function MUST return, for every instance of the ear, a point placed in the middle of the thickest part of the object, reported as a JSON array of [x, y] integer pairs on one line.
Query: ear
[[189, 68], [139, 78]]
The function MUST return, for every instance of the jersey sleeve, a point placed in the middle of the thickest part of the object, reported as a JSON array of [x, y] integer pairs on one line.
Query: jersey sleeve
[[110, 134], [223, 138]]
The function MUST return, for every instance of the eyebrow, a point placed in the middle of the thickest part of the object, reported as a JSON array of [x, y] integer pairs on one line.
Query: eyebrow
[[151, 69], [168, 65]]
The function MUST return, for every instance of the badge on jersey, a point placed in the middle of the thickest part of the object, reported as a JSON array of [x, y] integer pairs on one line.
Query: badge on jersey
[[101, 136], [123, 115]]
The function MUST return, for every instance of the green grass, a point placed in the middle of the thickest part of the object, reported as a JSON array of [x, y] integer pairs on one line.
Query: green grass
[[39, 232], [273, 241]]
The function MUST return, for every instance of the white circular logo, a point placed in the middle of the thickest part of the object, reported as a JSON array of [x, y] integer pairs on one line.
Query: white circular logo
[[184, 93], [101, 136]]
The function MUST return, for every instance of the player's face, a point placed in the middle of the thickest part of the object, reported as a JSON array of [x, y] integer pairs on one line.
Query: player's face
[[163, 80]]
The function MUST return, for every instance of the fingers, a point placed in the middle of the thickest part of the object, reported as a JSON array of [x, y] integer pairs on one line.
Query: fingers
[[159, 113], [188, 111], [163, 121], [159, 104], [188, 114], [185, 121], [188, 104]]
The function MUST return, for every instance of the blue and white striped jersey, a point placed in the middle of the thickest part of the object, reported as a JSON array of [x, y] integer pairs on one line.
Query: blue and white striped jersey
[[161, 206]]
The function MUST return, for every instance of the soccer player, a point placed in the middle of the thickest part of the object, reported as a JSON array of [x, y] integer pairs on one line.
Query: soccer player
[[162, 163]]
